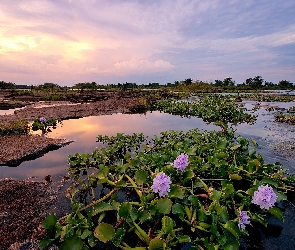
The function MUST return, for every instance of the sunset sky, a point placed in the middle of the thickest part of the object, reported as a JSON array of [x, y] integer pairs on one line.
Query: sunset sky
[[145, 41]]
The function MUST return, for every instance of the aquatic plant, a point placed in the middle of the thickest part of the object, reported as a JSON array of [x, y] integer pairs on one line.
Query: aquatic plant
[[220, 110], [43, 124], [286, 118], [137, 199]]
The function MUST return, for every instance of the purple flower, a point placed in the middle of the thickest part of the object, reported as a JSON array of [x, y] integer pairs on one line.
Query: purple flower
[[161, 184], [265, 197], [181, 162], [42, 119], [244, 220]]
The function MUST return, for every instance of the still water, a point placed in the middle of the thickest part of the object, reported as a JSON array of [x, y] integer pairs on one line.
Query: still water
[[84, 131]]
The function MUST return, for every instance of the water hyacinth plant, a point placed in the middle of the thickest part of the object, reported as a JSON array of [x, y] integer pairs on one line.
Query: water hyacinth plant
[[244, 220], [221, 110], [43, 124], [264, 197], [161, 184], [140, 200], [181, 162]]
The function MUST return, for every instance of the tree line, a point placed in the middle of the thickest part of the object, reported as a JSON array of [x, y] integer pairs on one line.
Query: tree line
[[255, 83]]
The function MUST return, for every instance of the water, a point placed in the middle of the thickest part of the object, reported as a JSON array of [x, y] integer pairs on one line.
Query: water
[[84, 131]]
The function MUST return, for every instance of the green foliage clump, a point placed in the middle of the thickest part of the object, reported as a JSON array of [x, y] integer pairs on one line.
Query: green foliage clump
[[268, 97], [220, 110], [287, 118], [43, 124], [113, 200], [15, 128]]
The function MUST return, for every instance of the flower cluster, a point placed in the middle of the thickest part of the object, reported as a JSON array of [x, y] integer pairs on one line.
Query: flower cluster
[[265, 197], [161, 184], [181, 162], [244, 220], [42, 119]]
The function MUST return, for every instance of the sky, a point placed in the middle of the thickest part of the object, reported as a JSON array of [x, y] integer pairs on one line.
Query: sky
[[144, 41]]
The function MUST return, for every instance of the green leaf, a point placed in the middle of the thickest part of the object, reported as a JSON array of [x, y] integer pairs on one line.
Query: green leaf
[[50, 221], [92, 240], [221, 144], [232, 245], [221, 155], [164, 206], [183, 238], [178, 209], [257, 163], [104, 232], [259, 218], [233, 228], [141, 176], [45, 242], [144, 216], [101, 207], [125, 210], [141, 233], [235, 147], [204, 225], [167, 225], [216, 195], [194, 200], [251, 191], [133, 214], [277, 213], [269, 181], [201, 214], [156, 243], [192, 151], [85, 234], [176, 192], [235, 177], [223, 214], [73, 242], [188, 175], [281, 196]]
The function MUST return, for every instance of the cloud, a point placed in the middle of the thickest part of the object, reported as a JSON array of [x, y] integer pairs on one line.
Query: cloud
[[105, 40], [142, 66]]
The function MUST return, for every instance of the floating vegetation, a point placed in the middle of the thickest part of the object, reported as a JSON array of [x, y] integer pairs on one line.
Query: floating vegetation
[[287, 118], [196, 190]]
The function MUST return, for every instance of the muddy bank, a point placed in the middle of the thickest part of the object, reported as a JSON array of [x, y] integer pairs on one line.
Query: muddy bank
[[67, 110], [15, 149]]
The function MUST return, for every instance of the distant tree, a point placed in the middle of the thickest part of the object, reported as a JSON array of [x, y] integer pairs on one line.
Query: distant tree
[[188, 81], [228, 82], [7, 85], [49, 85], [269, 85], [284, 84], [249, 82], [257, 82], [85, 85], [218, 83]]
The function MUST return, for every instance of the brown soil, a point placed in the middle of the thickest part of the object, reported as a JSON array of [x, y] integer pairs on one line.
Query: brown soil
[[23, 206]]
